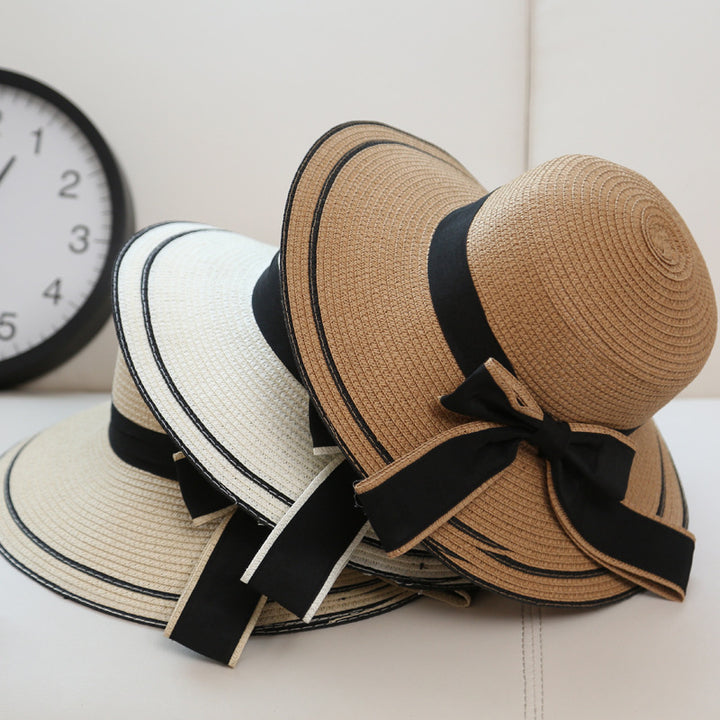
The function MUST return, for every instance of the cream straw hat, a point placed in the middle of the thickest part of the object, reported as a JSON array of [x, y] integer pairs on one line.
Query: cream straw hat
[[492, 362], [111, 535], [191, 307]]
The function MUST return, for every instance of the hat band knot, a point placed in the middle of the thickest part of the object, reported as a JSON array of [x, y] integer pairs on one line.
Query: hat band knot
[[551, 438], [587, 470], [156, 453]]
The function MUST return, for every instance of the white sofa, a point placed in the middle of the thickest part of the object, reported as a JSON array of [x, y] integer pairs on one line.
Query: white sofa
[[642, 658], [210, 107]]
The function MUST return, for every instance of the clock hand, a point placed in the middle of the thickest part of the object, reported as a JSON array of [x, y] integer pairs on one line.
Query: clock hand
[[8, 165]]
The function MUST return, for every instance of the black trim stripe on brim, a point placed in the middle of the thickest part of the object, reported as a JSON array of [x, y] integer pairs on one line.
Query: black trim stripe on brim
[[80, 567], [661, 502], [683, 499], [344, 617], [104, 577], [330, 178], [341, 617], [445, 555], [173, 389], [77, 598], [152, 342]]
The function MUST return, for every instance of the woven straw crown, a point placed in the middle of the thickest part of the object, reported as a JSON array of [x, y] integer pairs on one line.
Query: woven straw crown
[[595, 289]]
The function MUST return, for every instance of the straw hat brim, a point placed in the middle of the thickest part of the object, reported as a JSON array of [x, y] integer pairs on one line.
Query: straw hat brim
[[86, 525], [358, 224], [194, 348]]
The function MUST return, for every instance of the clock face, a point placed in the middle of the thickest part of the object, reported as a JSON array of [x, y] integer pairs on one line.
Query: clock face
[[63, 216]]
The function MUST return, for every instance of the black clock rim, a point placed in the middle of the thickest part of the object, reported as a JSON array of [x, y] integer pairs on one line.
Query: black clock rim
[[95, 311]]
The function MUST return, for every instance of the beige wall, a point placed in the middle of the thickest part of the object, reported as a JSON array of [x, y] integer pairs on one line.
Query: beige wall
[[637, 83], [210, 106]]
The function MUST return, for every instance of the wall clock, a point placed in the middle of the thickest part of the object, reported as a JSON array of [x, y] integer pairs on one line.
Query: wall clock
[[65, 211]]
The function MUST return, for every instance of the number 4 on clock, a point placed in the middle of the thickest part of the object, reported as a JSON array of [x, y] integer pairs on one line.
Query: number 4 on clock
[[53, 291]]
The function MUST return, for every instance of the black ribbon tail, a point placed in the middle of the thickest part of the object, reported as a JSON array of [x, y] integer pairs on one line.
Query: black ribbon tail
[[641, 548], [413, 497], [588, 466], [309, 547], [321, 437], [217, 613], [203, 499]]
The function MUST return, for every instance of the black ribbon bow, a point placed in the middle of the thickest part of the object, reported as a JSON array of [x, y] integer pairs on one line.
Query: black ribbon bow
[[597, 458], [588, 468]]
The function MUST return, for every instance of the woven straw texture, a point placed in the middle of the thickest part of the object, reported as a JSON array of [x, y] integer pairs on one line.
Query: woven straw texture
[[187, 328], [590, 281], [584, 259], [80, 521]]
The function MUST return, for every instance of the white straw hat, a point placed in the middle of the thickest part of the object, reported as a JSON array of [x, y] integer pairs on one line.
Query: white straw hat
[[186, 318], [99, 530]]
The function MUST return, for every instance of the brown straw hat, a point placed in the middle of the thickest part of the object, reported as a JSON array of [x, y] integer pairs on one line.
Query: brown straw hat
[[111, 535], [492, 362]]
